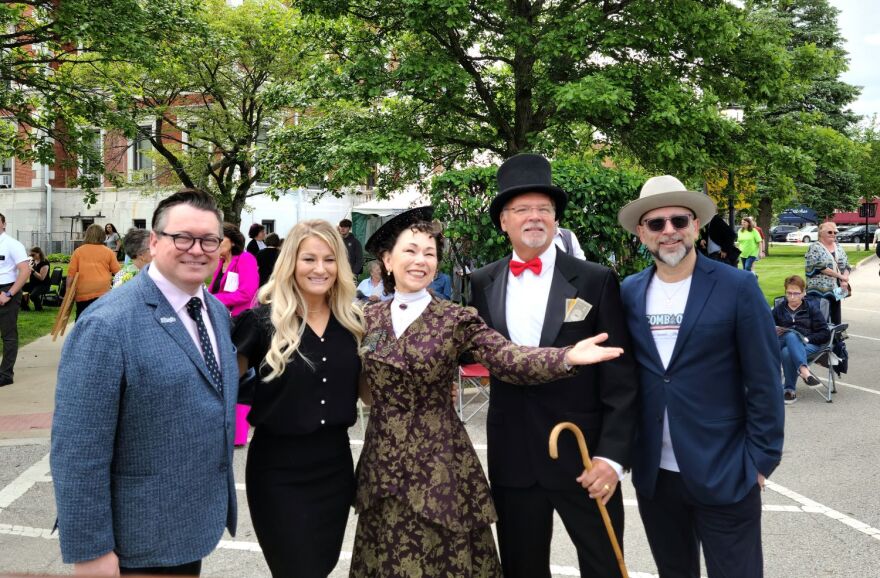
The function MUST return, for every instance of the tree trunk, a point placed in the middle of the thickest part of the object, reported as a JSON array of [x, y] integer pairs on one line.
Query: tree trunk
[[765, 217]]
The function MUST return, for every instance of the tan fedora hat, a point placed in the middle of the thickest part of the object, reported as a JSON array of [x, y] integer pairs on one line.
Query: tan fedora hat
[[665, 191]]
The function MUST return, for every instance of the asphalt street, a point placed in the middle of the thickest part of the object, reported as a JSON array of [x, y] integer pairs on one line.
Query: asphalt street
[[821, 511]]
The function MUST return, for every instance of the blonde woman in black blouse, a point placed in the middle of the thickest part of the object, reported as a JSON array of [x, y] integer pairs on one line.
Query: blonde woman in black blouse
[[303, 340]]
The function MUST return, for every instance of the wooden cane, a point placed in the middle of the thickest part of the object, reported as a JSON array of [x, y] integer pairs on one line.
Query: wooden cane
[[585, 456]]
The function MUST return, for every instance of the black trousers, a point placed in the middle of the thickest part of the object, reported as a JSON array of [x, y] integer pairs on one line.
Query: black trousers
[[525, 528], [676, 526], [191, 569], [300, 490], [9, 332], [81, 306]]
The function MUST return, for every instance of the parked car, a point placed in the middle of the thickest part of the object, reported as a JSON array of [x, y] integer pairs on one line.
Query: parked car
[[780, 232], [807, 234], [856, 234]]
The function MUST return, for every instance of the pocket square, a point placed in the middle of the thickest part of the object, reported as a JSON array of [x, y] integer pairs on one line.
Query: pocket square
[[576, 310]]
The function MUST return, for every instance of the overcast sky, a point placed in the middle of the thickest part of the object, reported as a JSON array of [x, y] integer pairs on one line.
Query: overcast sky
[[859, 21]]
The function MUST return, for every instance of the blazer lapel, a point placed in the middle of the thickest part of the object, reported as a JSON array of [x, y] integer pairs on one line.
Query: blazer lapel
[[168, 320], [496, 297], [561, 289], [642, 330], [701, 288]]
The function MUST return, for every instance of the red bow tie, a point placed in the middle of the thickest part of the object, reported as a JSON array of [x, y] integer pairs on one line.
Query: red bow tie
[[517, 267]]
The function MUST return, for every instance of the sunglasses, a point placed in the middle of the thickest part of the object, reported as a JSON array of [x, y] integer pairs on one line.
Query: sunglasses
[[678, 221]]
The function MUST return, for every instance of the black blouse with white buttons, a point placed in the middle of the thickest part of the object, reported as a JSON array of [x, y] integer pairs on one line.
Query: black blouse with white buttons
[[303, 399]]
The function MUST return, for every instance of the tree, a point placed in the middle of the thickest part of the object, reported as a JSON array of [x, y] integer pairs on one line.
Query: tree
[[410, 86], [43, 36], [207, 100]]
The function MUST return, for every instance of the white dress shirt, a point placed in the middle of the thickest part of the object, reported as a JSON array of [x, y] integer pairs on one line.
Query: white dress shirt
[[178, 299], [406, 308]]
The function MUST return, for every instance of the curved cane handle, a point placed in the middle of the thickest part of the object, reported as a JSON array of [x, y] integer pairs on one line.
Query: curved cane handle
[[582, 443]]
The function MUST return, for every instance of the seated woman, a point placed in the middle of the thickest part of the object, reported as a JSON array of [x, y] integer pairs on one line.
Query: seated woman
[[802, 330]]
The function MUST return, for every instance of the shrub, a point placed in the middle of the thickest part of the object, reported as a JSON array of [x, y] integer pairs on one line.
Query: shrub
[[58, 258]]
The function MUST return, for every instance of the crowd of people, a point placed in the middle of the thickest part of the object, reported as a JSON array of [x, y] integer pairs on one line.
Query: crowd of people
[[195, 310]]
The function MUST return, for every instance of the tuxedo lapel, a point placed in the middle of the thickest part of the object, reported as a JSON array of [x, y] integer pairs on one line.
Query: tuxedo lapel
[[561, 288], [496, 297]]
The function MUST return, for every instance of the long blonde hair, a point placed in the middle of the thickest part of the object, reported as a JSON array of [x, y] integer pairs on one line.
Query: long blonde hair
[[289, 308]]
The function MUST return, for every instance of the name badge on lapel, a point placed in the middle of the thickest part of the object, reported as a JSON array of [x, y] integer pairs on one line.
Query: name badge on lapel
[[576, 310]]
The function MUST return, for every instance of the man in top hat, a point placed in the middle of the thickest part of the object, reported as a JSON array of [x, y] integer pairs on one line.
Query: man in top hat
[[539, 295], [711, 411]]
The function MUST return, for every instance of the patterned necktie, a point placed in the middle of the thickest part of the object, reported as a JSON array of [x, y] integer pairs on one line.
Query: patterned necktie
[[517, 267], [194, 308]]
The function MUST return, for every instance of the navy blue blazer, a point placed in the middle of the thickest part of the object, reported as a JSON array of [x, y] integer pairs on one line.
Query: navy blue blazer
[[722, 388], [142, 439]]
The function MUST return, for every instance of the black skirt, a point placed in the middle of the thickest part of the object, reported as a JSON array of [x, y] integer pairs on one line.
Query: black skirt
[[299, 491]]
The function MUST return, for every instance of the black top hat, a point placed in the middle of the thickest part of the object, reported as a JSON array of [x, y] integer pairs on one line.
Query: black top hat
[[525, 173], [386, 235]]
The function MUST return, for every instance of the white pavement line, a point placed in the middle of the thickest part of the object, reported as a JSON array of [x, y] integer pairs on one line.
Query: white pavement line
[[28, 532], [24, 442], [20, 485], [864, 336], [865, 310], [853, 386], [817, 508]]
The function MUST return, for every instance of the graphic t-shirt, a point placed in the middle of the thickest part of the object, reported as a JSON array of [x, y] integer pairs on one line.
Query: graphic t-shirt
[[664, 308]]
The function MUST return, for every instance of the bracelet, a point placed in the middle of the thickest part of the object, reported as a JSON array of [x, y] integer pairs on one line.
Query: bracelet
[[8, 294]]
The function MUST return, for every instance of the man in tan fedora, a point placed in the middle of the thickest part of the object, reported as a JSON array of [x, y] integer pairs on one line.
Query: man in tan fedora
[[711, 414]]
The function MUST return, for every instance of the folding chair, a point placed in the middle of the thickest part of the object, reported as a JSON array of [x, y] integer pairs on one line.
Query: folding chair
[[53, 296], [824, 356], [476, 378]]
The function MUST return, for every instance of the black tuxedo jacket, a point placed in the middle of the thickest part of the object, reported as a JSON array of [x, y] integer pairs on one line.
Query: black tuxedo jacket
[[600, 399]]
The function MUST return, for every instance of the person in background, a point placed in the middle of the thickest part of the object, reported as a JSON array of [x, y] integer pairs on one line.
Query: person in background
[[236, 279], [760, 232], [302, 340], [257, 234], [718, 242], [96, 265], [112, 240], [38, 284], [711, 418], [14, 273], [441, 286], [827, 269], [802, 330], [142, 453], [267, 257], [137, 249], [566, 240], [353, 247], [749, 241], [371, 289]]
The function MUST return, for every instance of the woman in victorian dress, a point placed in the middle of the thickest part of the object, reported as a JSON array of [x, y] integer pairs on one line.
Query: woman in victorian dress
[[423, 501], [302, 339]]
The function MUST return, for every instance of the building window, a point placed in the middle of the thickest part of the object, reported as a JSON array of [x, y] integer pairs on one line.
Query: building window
[[269, 224], [139, 223], [259, 145], [90, 165], [6, 173], [141, 148]]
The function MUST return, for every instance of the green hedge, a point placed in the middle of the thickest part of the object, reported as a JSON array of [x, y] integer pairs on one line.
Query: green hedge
[[58, 258], [595, 193]]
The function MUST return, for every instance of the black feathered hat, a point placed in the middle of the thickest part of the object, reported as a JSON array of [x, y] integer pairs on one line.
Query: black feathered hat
[[525, 173], [385, 236]]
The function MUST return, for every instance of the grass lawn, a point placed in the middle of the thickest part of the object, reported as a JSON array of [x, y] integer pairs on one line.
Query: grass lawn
[[786, 260], [32, 324]]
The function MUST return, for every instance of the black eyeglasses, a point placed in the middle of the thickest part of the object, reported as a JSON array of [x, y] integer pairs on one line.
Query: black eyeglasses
[[185, 241], [659, 223]]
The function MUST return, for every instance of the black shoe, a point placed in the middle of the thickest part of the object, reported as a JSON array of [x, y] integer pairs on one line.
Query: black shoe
[[5, 381], [789, 397], [812, 380]]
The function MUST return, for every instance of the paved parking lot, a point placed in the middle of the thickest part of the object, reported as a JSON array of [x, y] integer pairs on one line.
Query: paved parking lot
[[821, 512]]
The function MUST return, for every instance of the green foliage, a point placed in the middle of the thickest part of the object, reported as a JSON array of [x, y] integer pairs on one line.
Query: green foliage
[[58, 258], [461, 199]]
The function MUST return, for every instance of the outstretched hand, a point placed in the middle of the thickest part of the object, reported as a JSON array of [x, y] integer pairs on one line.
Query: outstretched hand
[[588, 351]]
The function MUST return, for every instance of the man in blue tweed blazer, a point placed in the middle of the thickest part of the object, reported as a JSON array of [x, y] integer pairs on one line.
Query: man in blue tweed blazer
[[142, 437]]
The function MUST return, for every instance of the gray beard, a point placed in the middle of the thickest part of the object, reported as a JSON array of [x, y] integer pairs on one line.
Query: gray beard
[[673, 259]]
